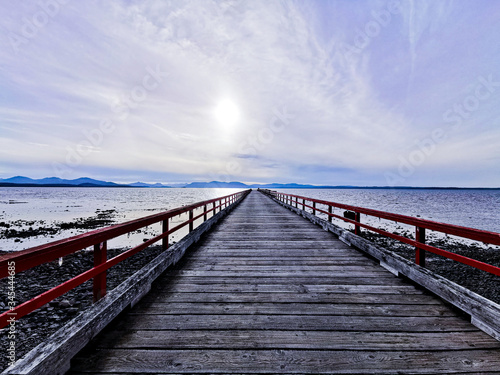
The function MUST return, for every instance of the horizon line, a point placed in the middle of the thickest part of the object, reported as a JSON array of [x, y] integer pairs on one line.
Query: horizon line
[[256, 184]]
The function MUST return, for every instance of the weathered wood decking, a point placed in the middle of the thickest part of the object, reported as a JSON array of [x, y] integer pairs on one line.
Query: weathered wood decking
[[269, 292]]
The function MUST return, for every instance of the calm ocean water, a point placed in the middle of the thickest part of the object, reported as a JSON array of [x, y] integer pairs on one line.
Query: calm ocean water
[[44, 207]]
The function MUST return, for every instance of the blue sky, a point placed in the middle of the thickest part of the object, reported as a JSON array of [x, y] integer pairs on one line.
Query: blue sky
[[322, 92]]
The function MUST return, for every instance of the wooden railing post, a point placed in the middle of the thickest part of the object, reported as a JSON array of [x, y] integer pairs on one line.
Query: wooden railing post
[[357, 228], [314, 208], [190, 221], [330, 211], [296, 202], [164, 241], [100, 257], [205, 213], [303, 204], [420, 253]]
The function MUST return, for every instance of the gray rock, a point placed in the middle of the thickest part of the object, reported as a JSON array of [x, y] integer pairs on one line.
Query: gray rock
[[65, 304]]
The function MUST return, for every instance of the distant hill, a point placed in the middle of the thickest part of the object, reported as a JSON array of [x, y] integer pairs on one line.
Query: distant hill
[[144, 185], [217, 184], [55, 181], [286, 186]]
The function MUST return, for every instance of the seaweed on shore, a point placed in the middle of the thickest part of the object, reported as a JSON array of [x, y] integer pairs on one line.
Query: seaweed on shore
[[25, 229]]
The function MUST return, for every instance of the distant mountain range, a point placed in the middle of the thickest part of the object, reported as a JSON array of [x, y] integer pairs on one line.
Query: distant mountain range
[[89, 182]]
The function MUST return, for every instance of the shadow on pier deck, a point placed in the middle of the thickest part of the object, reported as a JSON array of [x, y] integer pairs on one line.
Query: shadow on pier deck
[[269, 292]]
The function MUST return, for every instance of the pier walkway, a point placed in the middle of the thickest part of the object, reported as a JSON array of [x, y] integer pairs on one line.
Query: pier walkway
[[269, 292]]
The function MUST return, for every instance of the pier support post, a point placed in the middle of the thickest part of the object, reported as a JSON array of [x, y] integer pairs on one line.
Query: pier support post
[[190, 221], [357, 228], [420, 253], [164, 228], [100, 257]]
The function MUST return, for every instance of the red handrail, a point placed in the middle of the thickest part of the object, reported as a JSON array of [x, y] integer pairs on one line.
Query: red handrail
[[29, 258], [421, 225]]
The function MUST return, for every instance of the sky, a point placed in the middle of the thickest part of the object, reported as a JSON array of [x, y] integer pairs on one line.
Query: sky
[[339, 92]]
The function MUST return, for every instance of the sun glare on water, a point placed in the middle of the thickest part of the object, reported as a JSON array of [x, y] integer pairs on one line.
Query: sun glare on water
[[227, 113]]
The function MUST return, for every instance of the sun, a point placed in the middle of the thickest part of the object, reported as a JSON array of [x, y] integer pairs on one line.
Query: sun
[[227, 113]]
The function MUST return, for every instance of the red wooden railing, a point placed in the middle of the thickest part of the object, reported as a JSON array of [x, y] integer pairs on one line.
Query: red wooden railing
[[421, 225], [13, 263]]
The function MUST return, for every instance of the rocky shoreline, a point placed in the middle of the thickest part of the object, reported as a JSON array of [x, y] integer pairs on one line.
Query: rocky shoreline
[[36, 327], [39, 325], [22, 229]]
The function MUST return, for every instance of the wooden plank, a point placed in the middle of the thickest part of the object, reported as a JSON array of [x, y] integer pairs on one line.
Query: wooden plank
[[296, 323], [259, 308], [367, 268], [288, 288], [262, 252], [291, 280], [277, 261], [262, 273], [403, 299], [286, 361], [251, 259], [259, 262], [260, 339], [284, 244]]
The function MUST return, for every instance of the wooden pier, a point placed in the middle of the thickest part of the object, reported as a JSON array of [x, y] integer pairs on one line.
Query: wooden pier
[[269, 292]]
